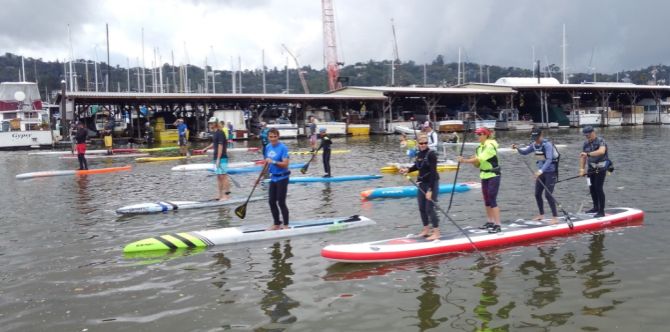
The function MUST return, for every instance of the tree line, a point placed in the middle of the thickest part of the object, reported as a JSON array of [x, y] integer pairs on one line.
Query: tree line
[[48, 74]]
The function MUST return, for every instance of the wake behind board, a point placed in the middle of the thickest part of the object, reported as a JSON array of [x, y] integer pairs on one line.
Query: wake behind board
[[164, 206], [515, 232], [231, 235]]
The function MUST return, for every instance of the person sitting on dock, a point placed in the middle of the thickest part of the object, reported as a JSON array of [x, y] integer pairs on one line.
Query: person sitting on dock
[[276, 154], [595, 156], [80, 138], [219, 146], [486, 159], [326, 142], [547, 163], [429, 186], [182, 130], [432, 136]]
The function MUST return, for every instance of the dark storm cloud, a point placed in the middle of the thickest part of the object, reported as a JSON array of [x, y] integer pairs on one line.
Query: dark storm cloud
[[42, 24]]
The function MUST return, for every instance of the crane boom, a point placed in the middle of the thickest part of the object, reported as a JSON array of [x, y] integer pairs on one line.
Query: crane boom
[[329, 45], [301, 74]]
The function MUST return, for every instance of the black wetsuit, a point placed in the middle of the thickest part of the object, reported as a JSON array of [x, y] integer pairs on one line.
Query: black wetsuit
[[326, 142], [428, 180]]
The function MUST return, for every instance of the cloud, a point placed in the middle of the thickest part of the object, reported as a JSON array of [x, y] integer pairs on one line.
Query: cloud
[[602, 34]]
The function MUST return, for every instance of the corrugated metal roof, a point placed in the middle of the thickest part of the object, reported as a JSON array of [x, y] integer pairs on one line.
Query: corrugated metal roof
[[218, 96], [432, 91]]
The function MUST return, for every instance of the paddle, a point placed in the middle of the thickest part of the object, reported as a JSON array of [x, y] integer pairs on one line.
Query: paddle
[[567, 216], [458, 168], [237, 184], [241, 211], [303, 170], [448, 217], [414, 128], [575, 177]]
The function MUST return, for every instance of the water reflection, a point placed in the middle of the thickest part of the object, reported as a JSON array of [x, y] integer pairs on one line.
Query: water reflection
[[489, 297], [548, 288], [598, 281], [275, 303], [429, 300]]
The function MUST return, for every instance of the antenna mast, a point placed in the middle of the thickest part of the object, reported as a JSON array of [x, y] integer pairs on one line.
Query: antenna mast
[[329, 45]]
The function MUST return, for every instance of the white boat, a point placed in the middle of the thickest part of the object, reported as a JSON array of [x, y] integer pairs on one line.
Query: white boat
[[333, 128], [651, 111], [450, 126], [23, 122], [286, 130], [584, 117], [508, 119], [406, 130], [613, 118]]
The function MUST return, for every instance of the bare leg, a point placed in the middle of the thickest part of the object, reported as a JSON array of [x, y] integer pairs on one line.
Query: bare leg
[[224, 187]]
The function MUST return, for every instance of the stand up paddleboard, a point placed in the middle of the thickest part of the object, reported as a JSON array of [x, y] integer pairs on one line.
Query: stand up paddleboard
[[254, 169], [310, 179], [395, 167], [72, 172], [164, 206], [228, 150], [210, 166], [518, 231], [230, 235], [152, 159], [108, 156], [302, 153], [410, 191]]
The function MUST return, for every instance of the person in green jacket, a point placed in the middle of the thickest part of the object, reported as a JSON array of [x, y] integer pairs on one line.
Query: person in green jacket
[[486, 159]]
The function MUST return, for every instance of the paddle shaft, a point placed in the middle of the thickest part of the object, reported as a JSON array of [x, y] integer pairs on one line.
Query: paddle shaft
[[575, 177], [448, 217], [303, 170], [258, 180], [458, 168], [414, 128], [567, 216]]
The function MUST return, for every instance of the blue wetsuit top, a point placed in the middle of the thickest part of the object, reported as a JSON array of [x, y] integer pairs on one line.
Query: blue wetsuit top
[[544, 152], [277, 153]]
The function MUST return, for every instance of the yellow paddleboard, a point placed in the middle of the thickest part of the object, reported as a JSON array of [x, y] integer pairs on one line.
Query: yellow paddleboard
[[440, 168]]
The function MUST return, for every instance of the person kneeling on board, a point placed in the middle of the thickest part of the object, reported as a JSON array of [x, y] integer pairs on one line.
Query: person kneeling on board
[[429, 186], [595, 156], [486, 159], [547, 163], [219, 145], [326, 142], [276, 154]]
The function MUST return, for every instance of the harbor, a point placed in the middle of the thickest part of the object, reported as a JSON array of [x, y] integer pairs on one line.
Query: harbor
[[76, 240]]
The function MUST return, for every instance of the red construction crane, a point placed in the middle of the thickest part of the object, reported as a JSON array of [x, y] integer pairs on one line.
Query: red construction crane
[[330, 46]]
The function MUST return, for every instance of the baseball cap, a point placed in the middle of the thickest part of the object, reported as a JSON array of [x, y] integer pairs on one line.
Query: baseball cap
[[535, 133], [482, 131], [213, 120], [587, 130], [322, 129]]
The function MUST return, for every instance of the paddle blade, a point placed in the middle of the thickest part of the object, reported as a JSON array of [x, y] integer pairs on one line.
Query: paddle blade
[[303, 170], [241, 211]]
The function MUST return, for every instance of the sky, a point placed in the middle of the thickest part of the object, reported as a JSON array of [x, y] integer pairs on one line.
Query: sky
[[602, 35]]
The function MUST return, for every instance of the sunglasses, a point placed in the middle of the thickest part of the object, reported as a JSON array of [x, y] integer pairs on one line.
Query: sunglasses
[[423, 143]]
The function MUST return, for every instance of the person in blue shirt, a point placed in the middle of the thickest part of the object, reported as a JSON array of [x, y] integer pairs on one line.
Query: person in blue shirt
[[595, 156], [231, 134], [276, 154], [220, 149], [547, 157], [182, 130], [264, 136]]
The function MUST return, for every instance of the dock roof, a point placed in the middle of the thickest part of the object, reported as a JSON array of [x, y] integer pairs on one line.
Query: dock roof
[[423, 91]]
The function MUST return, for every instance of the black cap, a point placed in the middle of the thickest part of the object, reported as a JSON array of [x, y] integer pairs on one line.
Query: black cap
[[587, 130], [535, 133]]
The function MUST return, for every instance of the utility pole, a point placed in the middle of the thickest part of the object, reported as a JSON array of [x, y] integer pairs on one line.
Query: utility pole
[[263, 60], [565, 63], [174, 77], [86, 72], [239, 66], [95, 67], [71, 58], [144, 79], [138, 76], [232, 73]]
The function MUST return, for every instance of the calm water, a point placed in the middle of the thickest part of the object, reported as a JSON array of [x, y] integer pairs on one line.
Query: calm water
[[62, 267]]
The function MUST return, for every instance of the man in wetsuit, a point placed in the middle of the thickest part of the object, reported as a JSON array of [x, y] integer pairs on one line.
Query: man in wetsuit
[[326, 142], [547, 164], [595, 156], [429, 185]]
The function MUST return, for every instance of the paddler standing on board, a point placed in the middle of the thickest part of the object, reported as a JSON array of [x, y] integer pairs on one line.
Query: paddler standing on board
[[276, 155], [486, 159], [547, 163], [429, 185], [182, 131], [80, 138], [595, 156], [220, 147], [326, 142]]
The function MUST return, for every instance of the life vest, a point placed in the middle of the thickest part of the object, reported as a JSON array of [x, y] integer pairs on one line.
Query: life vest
[[541, 153], [493, 161]]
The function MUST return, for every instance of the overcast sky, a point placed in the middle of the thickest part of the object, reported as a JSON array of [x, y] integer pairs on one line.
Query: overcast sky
[[607, 35]]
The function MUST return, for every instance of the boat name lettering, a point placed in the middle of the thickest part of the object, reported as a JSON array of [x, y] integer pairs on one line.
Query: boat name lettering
[[21, 135]]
